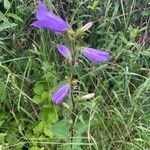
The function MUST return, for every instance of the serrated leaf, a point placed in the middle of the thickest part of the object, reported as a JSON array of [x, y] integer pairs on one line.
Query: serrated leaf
[[61, 128], [14, 16]]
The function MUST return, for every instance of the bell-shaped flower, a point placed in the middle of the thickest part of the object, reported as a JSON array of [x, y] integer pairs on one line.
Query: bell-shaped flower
[[60, 93], [88, 96], [94, 55], [63, 50], [86, 27], [48, 20]]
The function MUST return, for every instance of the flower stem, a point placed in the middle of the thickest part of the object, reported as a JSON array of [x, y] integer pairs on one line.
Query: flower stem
[[72, 88]]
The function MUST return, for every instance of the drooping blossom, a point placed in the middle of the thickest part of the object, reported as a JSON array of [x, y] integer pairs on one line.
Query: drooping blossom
[[88, 96], [48, 20], [60, 93], [64, 51], [87, 26], [96, 56]]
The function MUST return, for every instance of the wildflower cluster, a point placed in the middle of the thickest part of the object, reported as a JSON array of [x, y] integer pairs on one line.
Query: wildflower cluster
[[48, 20]]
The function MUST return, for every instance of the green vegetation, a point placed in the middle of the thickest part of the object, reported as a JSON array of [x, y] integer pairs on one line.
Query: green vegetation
[[116, 118]]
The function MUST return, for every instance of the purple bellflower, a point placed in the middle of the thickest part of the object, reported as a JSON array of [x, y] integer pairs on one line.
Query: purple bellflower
[[96, 56], [48, 20], [64, 51], [60, 94]]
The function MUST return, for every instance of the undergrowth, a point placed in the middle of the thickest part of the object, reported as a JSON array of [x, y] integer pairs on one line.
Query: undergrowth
[[117, 118]]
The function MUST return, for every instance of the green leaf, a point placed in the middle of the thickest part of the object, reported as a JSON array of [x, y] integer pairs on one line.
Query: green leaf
[[146, 12], [40, 127], [37, 99], [2, 137], [49, 114], [61, 129], [146, 53], [14, 16], [45, 96], [1, 122], [35, 148], [48, 132], [7, 4], [3, 17], [39, 89], [2, 91], [7, 25]]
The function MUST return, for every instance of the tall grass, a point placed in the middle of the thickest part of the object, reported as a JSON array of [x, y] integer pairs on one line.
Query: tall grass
[[118, 117]]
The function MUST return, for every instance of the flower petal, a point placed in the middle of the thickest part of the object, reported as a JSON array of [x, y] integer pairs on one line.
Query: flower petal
[[95, 55], [54, 26], [64, 51], [42, 11], [60, 93], [49, 20]]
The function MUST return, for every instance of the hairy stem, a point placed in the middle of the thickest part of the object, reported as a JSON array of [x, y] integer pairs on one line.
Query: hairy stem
[[72, 88]]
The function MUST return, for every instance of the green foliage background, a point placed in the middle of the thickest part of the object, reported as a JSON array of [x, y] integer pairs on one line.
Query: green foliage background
[[117, 118]]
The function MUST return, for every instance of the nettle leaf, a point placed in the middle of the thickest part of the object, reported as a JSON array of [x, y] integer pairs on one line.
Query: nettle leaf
[[61, 129], [80, 128]]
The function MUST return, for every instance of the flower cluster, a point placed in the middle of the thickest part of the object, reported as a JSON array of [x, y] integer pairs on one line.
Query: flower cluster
[[48, 20]]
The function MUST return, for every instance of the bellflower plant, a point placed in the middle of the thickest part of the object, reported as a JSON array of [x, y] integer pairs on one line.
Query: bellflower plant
[[48, 20], [52, 22]]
